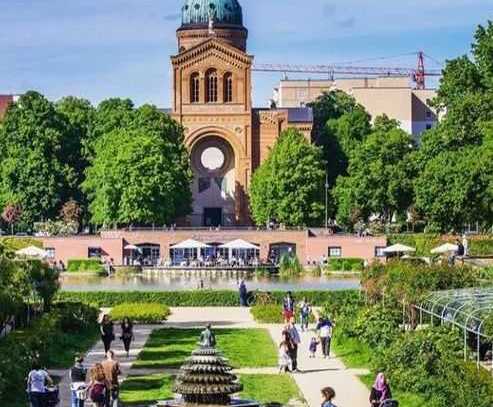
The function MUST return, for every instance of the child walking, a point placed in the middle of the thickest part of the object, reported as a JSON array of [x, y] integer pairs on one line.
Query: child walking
[[313, 347]]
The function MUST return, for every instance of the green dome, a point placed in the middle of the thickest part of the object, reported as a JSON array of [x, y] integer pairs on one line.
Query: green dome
[[198, 12]]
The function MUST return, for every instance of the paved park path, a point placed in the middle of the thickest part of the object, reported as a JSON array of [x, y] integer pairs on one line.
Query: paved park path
[[315, 373]]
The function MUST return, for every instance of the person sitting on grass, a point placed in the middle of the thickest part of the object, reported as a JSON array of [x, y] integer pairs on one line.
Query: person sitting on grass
[[380, 391], [328, 394]]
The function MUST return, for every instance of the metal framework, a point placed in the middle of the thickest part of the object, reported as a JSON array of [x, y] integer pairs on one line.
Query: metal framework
[[466, 308]]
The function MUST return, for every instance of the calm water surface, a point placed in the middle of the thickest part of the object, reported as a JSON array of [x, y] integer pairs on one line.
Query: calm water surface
[[182, 280]]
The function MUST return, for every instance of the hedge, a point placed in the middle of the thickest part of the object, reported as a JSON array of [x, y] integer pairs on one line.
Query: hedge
[[345, 264], [85, 266], [17, 243], [272, 314], [481, 245], [198, 298], [140, 312]]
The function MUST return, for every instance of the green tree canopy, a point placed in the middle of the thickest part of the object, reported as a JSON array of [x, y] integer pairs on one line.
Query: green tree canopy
[[380, 176], [141, 172], [288, 185], [454, 161], [36, 170]]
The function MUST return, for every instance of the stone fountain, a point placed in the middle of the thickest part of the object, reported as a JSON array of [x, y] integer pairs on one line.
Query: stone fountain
[[206, 378]]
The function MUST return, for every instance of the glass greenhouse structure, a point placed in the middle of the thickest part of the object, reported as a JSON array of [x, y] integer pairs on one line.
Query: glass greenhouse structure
[[468, 309]]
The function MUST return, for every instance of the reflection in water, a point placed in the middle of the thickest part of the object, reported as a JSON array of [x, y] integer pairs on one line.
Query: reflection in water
[[183, 280]]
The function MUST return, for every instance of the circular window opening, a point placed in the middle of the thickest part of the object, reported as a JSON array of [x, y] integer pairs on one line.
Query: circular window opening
[[212, 158]]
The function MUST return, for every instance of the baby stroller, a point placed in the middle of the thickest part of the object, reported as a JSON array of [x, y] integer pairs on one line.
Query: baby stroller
[[52, 398], [390, 403]]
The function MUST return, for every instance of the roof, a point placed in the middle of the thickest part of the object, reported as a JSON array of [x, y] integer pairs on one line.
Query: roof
[[199, 12]]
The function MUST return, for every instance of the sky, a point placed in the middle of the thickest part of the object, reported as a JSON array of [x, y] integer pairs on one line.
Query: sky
[[98, 49]]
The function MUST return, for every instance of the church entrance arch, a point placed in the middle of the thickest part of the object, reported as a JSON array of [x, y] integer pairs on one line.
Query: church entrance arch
[[214, 166]]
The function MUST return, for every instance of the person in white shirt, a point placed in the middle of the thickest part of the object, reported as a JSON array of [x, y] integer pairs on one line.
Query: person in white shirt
[[37, 380]]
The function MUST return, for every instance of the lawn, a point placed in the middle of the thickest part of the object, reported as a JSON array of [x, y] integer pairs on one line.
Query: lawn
[[145, 390], [269, 388], [168, 348]]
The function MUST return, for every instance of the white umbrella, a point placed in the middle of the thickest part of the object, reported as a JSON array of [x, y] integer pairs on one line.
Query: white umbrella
[[131, 247], [190, 244], [445, 248], [398, 248], [239, 244], [32, 251]]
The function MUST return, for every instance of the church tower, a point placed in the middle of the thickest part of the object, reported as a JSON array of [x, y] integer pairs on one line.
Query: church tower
[[211, 98]]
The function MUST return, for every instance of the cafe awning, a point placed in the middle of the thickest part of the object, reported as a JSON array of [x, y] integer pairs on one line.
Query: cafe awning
[[239, 244], [190, 244]]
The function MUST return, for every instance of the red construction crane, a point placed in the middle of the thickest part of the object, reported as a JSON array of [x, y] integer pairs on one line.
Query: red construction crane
[[417, 75]]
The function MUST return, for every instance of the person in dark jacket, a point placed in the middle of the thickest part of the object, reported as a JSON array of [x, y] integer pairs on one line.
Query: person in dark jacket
[[78, 375], [380, 391], [107, 332], [127, 334], [243, 293]]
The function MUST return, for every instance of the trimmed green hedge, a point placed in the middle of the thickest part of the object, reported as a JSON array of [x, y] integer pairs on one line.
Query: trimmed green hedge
[[17, 243], [345, 264], [140, 312], [424, 242], [272, 314], [198, 298], [85, 266]]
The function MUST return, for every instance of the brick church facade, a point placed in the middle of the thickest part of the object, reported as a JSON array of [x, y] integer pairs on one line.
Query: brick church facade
[[212, 99]]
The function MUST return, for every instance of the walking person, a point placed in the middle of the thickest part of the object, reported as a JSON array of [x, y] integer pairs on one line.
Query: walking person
[[99, 386], [284, 359], [305, 312], [288, 307], [127, 334], [296, 340], [107, 332], [328, 394], [380, 391], [78, 376], [37, 380], [112, 371], [243, 293], [324, 328], [313, 347]]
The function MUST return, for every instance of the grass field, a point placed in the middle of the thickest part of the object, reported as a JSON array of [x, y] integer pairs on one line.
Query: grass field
[[145, 390], [168, 348]]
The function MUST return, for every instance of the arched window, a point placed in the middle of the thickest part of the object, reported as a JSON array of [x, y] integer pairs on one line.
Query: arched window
[[228, 87], [194, 88], [211, 86]]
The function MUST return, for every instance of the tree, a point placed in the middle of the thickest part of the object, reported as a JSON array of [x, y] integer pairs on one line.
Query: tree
[[140, 173], [34, 168], [11, 215], [456, 188], [80, 116], [454, 161], [379, 180], [288, 185], [45, 280]]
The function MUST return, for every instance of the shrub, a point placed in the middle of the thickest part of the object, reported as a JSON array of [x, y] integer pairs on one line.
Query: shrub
[[18, 243], [141, 312], [85, 266], [267, 314], [345, 264], [202, 298], [53, 339], [290, 265]]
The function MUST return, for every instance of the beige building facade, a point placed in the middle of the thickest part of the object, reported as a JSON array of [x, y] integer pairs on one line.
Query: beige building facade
[[392, 96]]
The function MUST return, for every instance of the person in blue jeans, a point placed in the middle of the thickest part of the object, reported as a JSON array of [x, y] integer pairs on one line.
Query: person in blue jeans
[[78, 375], [37, 380], [305, 311]]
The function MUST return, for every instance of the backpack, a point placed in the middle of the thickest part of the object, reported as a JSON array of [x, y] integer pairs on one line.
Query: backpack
[[98, 393]]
